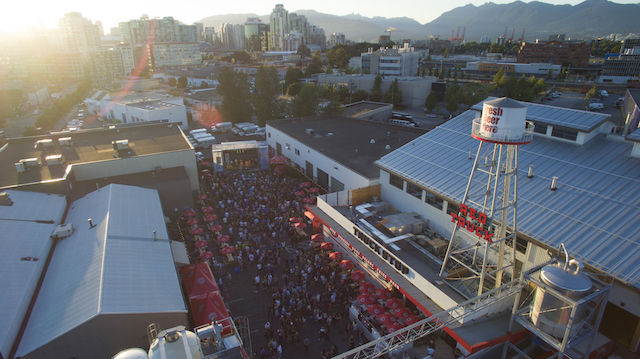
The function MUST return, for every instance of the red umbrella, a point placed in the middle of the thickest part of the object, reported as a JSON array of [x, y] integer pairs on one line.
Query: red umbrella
[[223, 238], [202, 196], [326, 245], [336, 256], [196, 230], [358, 275], [375, 309], [386, 318], [204, 163], [206, 255], [309, 200], [278, 160], [394, 327], [401, 312], [393, 303], [317, 237], [411, 319], [347, 264], [201, 243], [305, 184], [366, 287], [299, 193], [294, 220], [207, 209], [211, 218], [314, 190], [227, 250], [366, 299], [208, 175], [383, 293], [216, 228], [301, 225], [192, 221], [190, 213]]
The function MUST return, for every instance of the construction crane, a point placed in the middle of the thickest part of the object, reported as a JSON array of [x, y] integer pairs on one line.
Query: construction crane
[[512, 33], [457, 34], [463, 31], [451, 38], [392, 29], [521, 39]]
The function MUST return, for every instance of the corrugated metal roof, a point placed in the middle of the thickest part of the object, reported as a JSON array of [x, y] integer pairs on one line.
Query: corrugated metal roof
[[594, 211], [558, 116], [114, 268], [22, 237], [634, 136]]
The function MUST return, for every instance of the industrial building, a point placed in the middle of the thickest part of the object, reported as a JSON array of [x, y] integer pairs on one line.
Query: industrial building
[[326, 150], [576, 187], [110, 274], [155, 156], [562, 53]]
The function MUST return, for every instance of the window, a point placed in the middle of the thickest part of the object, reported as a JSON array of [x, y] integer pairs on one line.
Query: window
[[336, 186], [287, 146], [540, 128], [396, 181], [452, 208], [433, 200], [269, 134], [564, 133], [297, 152], [414, 190]]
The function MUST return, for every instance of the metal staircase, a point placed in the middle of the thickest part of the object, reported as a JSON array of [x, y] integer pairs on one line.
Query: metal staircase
[[449, 317]]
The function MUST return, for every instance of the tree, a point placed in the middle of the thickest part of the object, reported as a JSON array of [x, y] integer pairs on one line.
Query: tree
[[375, 96], [234, 88], [306, 103], [343, 95], [294, 89], [394, 95], [452, 105], [182, 82], [265, 94], [292, 76], [329, 71], [430, 102], [592, 92], [172, 81], [303, 51], [317, 58], [499, 78], [360, 95], [313, 68], [338, 56], [334, 105], [446, 53]]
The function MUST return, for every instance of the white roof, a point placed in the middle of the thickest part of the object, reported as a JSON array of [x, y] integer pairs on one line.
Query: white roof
[[115, 267], [25, 230]]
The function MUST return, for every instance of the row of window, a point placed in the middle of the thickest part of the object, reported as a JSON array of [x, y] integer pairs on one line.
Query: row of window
[[564, 133], [436, 201]]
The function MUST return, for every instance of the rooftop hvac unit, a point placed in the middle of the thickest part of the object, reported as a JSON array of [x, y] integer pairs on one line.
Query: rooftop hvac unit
[[120, 145], [53, 160], [27, 163], [20, 167], [63, 230], [310, 132], [5, 200]]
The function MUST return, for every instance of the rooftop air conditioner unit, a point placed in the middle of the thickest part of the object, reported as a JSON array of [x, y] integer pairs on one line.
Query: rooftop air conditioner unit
[[310, 132], [120, 145], [63, 230]]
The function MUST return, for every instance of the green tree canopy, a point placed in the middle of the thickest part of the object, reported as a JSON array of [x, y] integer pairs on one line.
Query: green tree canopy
[[452, 106], [265, 94], [172, 81], [182, 82], [430, 102], [234, 87], [499, 77], [292, 76], [294, 89], [303, 51], [334, 104], [394, 95], [317, 58], [375, 96], [306, 103], [313, 68], [338, 56], [360, 95], [376, 83]]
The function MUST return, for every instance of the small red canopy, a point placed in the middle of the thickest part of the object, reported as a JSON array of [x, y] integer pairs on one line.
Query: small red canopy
[[206, 308], [198, 279], [279, 160]]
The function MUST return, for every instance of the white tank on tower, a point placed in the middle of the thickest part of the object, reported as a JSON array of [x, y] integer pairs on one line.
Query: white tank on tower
[[503, 121]]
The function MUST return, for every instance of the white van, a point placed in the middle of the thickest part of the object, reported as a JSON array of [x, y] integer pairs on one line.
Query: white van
[[249, 130], [222, 127]]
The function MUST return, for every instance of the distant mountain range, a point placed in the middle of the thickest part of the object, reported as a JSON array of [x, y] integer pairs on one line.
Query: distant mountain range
[[589, 19]]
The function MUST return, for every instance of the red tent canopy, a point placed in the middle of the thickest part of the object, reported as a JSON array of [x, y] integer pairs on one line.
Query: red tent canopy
[[198, 279], [280, 160], [206, 308]]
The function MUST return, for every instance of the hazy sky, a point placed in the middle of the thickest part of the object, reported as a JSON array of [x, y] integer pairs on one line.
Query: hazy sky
[[22, 13]]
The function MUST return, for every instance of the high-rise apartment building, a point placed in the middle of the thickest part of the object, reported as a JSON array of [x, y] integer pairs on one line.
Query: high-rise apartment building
[[138, 32], [108, 64], [232, 36], [256, 35], [79, 34], [279, 23]]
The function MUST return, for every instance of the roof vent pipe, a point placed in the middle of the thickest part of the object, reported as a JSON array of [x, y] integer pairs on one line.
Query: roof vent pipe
[[372, 141], [155, 238], [530, 174], [470, 153], [554, 184], [91, 225]]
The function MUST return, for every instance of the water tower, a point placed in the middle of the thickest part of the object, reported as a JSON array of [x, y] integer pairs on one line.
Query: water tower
[[483, 242]]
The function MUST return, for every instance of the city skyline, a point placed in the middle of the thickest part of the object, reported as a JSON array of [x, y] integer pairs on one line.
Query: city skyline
[[46, 14]]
